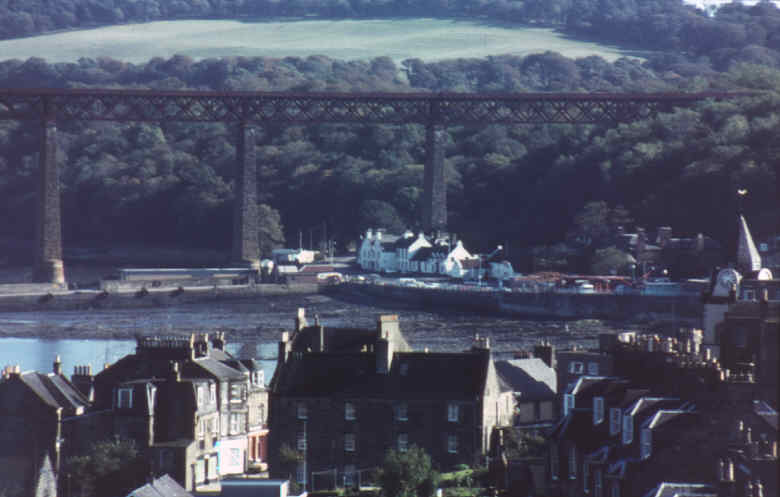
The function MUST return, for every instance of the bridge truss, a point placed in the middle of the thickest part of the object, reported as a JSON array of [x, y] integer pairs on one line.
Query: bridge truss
[[249, 109]]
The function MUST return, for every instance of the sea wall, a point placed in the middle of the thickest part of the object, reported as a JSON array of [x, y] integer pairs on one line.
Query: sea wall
[[540, 305], [153, 297]]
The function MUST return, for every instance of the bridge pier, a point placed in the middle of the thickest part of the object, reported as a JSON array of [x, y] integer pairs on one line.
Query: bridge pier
[[47, 253], [435, 187], [246, 242]]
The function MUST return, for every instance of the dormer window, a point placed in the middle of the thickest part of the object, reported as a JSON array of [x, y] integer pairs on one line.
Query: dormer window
[[646, 443], [598, 410], [124, 398]]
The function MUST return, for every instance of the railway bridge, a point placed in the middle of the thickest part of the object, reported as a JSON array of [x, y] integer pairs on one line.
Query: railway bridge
[[249, 110]]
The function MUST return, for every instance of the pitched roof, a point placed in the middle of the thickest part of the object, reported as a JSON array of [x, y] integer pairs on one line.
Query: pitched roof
[[54, 390], [532, 378], [164, 486], [667, 489], [413, 375]]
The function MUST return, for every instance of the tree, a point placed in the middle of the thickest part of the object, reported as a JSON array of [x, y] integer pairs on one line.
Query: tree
[[271, 231], [408, 474], [111, 467], [611, 261]]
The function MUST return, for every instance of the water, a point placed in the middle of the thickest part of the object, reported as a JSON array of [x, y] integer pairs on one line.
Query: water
[[426, 39], [252, 328]]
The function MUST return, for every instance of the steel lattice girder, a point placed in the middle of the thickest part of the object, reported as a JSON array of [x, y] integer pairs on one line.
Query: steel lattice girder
[[366, 108]]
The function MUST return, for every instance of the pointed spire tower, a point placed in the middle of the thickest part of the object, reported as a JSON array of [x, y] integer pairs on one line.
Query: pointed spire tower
[[748, 258]]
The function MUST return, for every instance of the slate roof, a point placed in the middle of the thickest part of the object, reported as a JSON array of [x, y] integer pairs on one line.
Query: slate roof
[[336, 339], [215, 367], [164, 486], [577, 426], [55, 390], [252, 488], [413, 375], [532, 378], [425, 253]]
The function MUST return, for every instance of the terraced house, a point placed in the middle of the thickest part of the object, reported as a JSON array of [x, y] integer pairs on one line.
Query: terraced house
[[197, 412], [342, 397]]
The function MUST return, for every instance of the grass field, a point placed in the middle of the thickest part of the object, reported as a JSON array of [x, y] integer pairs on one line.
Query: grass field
[[426, 39]]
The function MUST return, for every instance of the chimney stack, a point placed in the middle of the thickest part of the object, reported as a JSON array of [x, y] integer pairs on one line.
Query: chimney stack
[[57, 366], [387, 329], [83, 380], [284, 348], [300, 319]]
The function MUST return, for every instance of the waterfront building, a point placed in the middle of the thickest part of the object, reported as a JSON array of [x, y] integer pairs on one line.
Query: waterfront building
[[197, 412], [341, 398]]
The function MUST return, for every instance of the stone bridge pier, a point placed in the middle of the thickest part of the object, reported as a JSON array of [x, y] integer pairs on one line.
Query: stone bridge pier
[[47, 252]]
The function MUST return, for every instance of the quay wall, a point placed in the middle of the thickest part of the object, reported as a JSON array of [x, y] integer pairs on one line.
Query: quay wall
[[37, 298], [541, 305]]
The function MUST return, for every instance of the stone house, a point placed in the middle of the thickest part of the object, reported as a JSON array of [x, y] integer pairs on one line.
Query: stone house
[[42, 422], [379, 395], [192, 408], [671, 415], [535, 389]]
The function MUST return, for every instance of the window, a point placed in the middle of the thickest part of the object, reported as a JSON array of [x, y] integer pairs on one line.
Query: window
[[452, 444], [349, 475], [568, 403], [614, 420], [236, 392], [300, 473], [597, 483], [301, 411], [585, 475], [213, 393], [201, 395], [452, 412], [201, 429], [598, 410], [615, 489], [349, 410], [576, 367], [645, 443], [300, 440], [402, 412], [572, 463], [214, 426], [404, 369], [554, 461], [349, 442], [403, 442], [628, 429], [124, 398], [235, 423], [593, 368]]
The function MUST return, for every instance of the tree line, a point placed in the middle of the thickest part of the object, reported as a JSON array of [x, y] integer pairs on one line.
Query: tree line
[[514, 185]]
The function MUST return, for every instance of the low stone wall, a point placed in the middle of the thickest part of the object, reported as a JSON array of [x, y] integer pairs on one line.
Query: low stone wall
[[146, 297], [541, 305]]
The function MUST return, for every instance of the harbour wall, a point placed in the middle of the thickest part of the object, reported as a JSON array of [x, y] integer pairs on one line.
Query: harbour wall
[[22, 298], [541, 305]]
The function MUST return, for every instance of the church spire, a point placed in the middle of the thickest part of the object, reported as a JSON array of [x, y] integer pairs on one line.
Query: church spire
[[748, 258]]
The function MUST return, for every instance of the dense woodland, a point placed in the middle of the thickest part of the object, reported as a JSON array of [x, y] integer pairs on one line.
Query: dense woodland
[[514, 185]]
